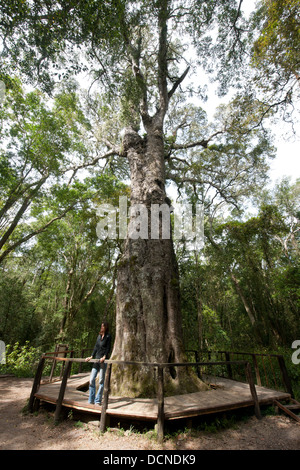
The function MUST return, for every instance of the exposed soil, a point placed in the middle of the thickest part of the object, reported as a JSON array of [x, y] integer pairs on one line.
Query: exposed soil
[[23, 431]]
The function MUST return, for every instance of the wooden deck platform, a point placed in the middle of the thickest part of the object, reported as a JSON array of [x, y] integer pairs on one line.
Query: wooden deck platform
[[227, 395]]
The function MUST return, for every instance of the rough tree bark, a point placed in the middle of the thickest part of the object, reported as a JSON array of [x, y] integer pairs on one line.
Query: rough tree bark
[[148, 318]]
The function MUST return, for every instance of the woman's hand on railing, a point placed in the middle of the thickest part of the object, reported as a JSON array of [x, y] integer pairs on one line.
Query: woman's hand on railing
[[87, 359]]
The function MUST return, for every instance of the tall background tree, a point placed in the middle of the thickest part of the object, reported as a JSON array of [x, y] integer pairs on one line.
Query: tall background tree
[[273, 47]]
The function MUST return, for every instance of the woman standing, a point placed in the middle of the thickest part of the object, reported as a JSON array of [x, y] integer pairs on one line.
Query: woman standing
[[101, 351]]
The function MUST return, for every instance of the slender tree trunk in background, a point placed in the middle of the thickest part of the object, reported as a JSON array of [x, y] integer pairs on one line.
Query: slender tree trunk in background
[[243, 299], [148, 317], [200, 324], [255, 325], [61, 334], [199, 305]]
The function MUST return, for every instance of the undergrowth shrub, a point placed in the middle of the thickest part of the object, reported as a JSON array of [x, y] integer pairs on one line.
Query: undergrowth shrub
[[21, 361]]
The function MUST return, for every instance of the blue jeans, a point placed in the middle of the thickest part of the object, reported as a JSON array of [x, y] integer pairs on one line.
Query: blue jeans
[[93, 398]]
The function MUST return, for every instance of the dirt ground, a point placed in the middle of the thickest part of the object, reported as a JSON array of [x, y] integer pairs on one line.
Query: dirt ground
[[21, 431]]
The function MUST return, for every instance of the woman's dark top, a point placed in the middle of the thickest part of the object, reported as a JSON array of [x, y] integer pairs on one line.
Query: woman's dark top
[[102, 348]]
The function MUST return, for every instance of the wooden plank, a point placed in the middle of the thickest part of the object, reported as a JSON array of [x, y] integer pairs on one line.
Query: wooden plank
[[287, 411], [190, 413], [293, 407]]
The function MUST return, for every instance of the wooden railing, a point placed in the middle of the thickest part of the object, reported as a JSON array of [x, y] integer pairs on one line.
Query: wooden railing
[[68, 361], [269, 369]]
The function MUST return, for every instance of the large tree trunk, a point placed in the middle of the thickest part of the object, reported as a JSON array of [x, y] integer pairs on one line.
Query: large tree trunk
[[148, 319]]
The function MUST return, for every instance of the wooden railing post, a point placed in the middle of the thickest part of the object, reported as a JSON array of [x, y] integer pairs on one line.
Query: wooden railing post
[[285, 376], [105, 397], [253, 390], [53, 366], [256, 368], [36, 384], [71, 357], [160, 403], [197, 367], [229, 368], [62, 390], [80, 363]]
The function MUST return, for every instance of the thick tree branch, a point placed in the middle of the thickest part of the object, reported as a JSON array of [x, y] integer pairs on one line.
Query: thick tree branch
[[199, 180], [34, 233], [198, 143], [163, 16], [178, 82], [26, 203]]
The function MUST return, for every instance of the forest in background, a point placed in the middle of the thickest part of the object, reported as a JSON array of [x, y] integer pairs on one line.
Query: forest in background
[[58, 280], [240, 291]]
